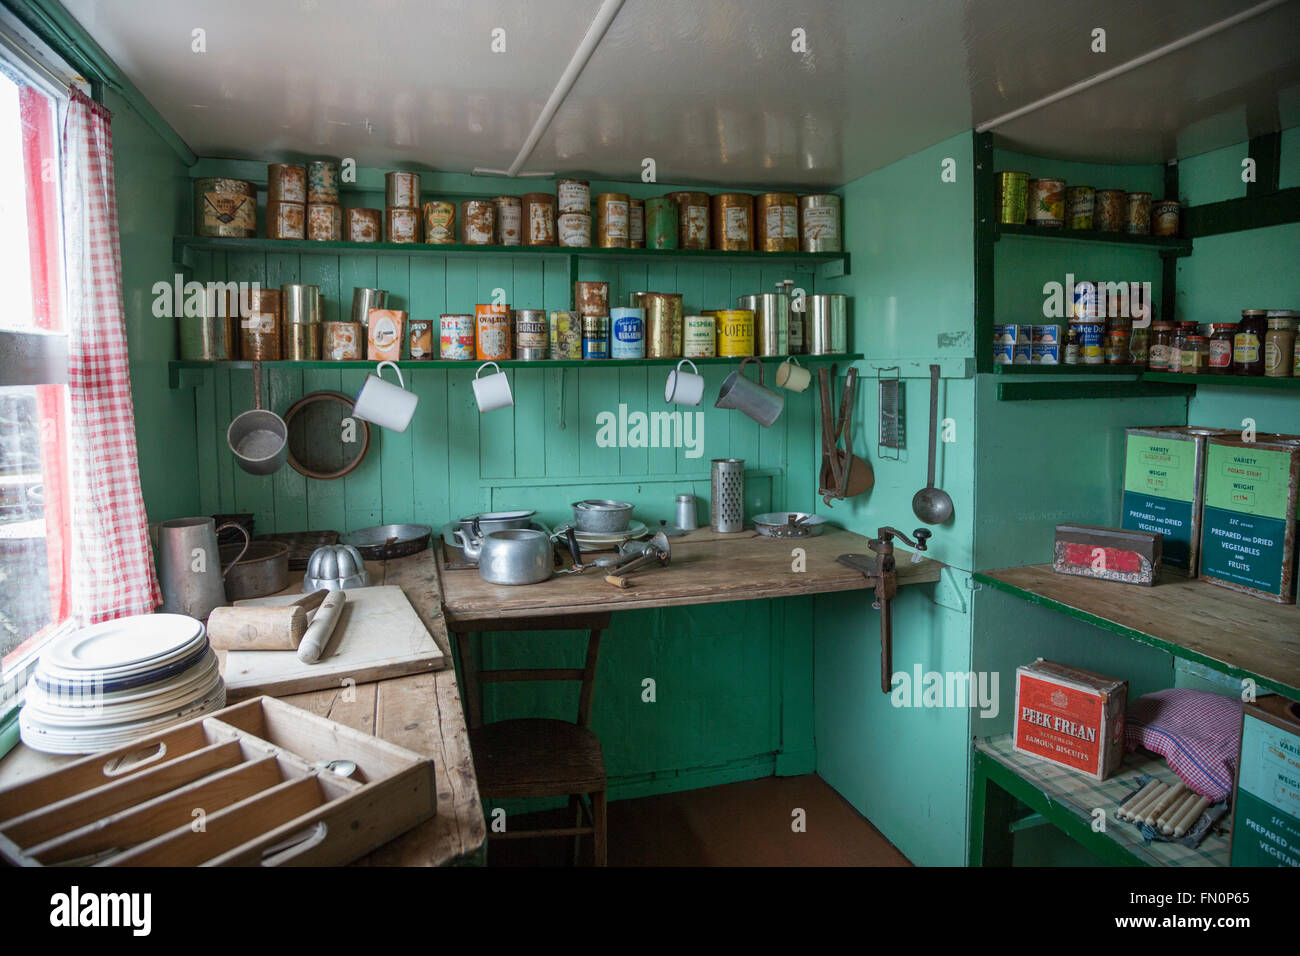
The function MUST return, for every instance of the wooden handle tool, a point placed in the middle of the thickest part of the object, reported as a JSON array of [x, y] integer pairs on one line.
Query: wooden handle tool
[[618, 581], [1138, 812], [322, 626], [261, 628]]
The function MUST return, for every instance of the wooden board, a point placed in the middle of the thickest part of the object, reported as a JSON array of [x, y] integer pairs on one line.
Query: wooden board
[[379, 635]]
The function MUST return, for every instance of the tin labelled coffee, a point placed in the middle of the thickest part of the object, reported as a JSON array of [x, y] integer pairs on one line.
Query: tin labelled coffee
[[341, 341], [573, 195], [420, 339], [819, 223], [1013, 197], [1138, 221], [402, 190], [492, 332], [566, 335], [636, 223], [661, 223], [776, 222], [324, 221], [1110, 210], [627, 333], [510, 220], [1047, 203], [323, 181], [1079, 206], [591, 298], [574, 229], [735, 332], [286, 220], [401, 224], [1165, 217], [456, 337], [539, 219], [699, 337], [439, 223], [478, 218], [365, 225], [612, 220], [531, 331], [286, 182]]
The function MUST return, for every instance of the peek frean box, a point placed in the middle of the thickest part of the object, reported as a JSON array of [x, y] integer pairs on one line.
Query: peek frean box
[[1071, 717]]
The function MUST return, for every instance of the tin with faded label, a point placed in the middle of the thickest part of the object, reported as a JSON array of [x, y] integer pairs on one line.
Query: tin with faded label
[[692, 219], [699, 337], [384, 334], [365, 225], [733, 219], [456, 337], [1079, 205], [566, 335], [225, 207], [439, 223], [1166, 216], [627, 333], [663, 324], [1046, 206], [286, 220], [531, 332], [1110, 210], [819, 223], [402, 190], [341, 341], [1138, 221], [323, 181], [286, 182], [636, 223], [595, 336], [591, 298], [776, 222], [401, 224], [324, 222], [478, 222], [573, 195], [420, 339], [612, 220], [492, 332], [574, 229], [539, 219], [260, 326], [510, 219]]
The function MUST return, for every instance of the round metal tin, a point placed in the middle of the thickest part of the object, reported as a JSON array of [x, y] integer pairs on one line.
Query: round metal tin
[[456, 337], [627, 333], [819, 223], [439, 223]]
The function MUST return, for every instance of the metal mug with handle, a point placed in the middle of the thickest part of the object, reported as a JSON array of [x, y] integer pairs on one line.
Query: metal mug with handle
[[753, 398], [189, 565]]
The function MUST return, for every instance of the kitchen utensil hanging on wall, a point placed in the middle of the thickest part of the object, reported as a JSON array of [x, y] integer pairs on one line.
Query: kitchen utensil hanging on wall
[[258, 438], [387, 405], [843, 474], [326, 441], [933, 505], [753, 398]]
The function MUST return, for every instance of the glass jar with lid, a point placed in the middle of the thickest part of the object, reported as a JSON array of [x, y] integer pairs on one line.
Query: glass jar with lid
[[1162, 335], [1221, 335], [1195, 355], [1279, 343], [1248, 343]]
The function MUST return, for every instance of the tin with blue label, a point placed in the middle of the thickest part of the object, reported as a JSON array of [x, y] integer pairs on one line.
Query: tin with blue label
[[595, 336], [627, 333]]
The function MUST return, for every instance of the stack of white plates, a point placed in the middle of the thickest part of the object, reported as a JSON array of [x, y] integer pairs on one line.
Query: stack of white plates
[[600, 540], [108, 685]]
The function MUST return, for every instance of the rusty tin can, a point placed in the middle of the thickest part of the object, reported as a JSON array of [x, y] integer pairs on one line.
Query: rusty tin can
[[565, 330], [302, 341], [1013, 197], [663, 324], [439, 223], [636, 223], [456, 337], [732, 221], [573, 195], [699, 337], [324, 221], [402, 190], [776, 222], [574, 229], [539, 219], [492, 332], [401, 224], [661, 223], [341, 341], [260, 326], [1166, 216], [591, 298], [286, 220], [595, 336], [612, 220], [692, 219], [384, 335], [1110, 210], [1080, 202], [735, 332], [510, 219], [323, 181], [365, 225], [819, 223], [1046, 206], [286, 182], [1137, 222], [225, 207], [478, 222], [419, 340]]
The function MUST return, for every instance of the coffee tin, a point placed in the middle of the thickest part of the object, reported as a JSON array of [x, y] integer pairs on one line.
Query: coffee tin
[[478, 222], [365, 225], [566, 335], [574, 229], [456, 337], [819, 223], [225, 207], [1079, 205], [439, 223], [539, 219], [420, 339], [636, 223], [341, 341], [732, 221], [1046, 205], [663, 324], [627, 333], [1138, 221], [699, 337], [776, 222], [612, 220], [324, 221], [401, 224], [1110, 210], [286, 182], [595, 336], [591, 298], [661, 223], [285, 220], [573, 195], [735, 332], [402, 190], [531, 332], [323, 181], [492, 332], [692, 219], [510, 217], [1013, 198], [1165, 217]]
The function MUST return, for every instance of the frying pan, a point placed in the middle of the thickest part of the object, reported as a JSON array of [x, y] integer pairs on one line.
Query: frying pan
[[386, 541]]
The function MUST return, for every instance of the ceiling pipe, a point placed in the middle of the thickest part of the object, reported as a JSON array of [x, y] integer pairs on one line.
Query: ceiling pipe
[[1132, 64]]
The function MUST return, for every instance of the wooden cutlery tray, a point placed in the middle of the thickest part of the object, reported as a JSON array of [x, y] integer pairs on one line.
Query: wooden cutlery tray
[[242, 786]]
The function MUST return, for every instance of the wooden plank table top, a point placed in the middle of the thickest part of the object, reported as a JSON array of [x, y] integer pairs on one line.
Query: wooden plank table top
[[1231, 632], [711, 571]]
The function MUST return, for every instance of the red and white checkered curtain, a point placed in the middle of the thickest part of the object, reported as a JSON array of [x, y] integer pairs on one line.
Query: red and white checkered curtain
[[113, 570]]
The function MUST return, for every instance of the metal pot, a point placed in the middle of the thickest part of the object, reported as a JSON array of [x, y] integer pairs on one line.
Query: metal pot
[[495, 521], [601, 515], [516, 556], [263, 569]]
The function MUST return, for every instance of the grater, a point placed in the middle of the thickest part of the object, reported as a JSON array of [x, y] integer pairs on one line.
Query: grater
[[892, 424], [727, 497]]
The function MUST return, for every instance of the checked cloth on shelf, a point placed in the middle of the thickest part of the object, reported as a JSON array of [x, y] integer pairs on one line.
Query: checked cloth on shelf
[[1198, 732]]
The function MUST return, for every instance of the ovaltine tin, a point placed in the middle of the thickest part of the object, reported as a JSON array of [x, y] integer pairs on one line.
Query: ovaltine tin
[[439, 223], [492, 332], [510, 219], [627, 333], [341, 341], [771, 321], [260, 325], [478, 222], [402, 190], [384, 334], [595, 336], [401, 224], [286, 182], [1046, 206], [323, 181], [1138, 221], [573, 195], [285, 220], [699, 339], [1013, 197], [300, 304], [776, 222], [365, 225], [1079, 205], [363, 300], [735, 332], [539, 219], [225, 207], [456, 337], [826, 324], [1110, 210], [574, 229], [663, 324], [636, 223], [531, 333], [325, 221], [692, 219], [1165, 216], [420, 339], [591, 298], [612, 220], [819, 223], [566, 335], [661, 223], [733, 221]]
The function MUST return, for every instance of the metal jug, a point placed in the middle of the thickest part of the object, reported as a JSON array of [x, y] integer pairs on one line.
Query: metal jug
[[754, 399], [189, 565]]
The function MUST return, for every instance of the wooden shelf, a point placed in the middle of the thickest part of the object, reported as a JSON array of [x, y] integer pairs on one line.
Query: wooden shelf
[[1230, 632], [1224, 381], [1102, 371], [1174, 247]]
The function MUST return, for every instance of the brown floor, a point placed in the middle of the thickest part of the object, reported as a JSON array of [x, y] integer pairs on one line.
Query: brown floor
[[739, 824]]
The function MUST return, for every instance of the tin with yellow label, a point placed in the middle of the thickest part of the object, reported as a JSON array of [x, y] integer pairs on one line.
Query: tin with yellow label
[[735, 332], [1013, 197], [566, 335]]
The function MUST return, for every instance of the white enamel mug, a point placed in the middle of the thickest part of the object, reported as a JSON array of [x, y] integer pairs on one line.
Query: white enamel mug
[[387, 405], [684, 388], [493, 391], [792, 376]]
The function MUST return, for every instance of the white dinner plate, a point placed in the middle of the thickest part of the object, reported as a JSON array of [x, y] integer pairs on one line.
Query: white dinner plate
[[125, 644]]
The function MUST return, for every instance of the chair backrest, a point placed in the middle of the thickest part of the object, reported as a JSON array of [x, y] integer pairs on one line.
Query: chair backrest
[[474, 679]]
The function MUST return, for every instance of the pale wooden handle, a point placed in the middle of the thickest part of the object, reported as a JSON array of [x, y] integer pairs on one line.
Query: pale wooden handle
[[617, 581], [256, 628], [1140, 811], [1175, 810], [322, 626]]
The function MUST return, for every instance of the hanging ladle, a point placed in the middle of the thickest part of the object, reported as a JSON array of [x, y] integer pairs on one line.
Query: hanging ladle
[[932, 505]]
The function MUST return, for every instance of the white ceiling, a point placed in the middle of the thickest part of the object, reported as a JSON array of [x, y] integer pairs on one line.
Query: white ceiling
[[709, 88]]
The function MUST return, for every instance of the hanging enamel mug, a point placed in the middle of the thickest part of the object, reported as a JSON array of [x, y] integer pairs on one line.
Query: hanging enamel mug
[[792, 376], [387, 405], [753, 398], [492, 392], [684, 388]]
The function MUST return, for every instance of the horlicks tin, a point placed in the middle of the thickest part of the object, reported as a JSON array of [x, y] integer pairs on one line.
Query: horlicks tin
[[627, 333]]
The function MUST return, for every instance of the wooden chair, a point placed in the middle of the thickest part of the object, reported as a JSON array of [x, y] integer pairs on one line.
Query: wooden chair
[[538, 757]]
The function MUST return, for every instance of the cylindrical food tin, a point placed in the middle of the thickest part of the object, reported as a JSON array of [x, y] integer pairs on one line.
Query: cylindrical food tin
[[732, 221], [692, 220], [574, 229], [699, 337], [1138, 220], [661, 223], [402, 190], [1165, 216], [510, 218], [735, 332], [636, 300], [819, 223], [260, 326], [419, 339], [492, 332], [727, 494], [286, 182], [456, 337], [626, 333], [531, 333], [439, 223], [636, 223], [302, 341], [206, 338], [478, 222], [1110, 210], [401, 224], [300, 304], [341, 341], [612, 220], [1079, 205], [1046, 206], [663, 324], [826, 324], [364, 300], [595, 336], [365, 225], [285, 220], [539, 219], [573, 195], [1013, 197], [776, 222], [225, 207], [323, 181], [591, 298], [325, 221], [771, 321], [1085, 303], [1091, 342], [566, 335]]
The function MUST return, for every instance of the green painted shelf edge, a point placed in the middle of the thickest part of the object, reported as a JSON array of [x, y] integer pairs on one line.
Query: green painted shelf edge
[[1165, 245], [1224, 381], [1169, 647], [1082, 370]]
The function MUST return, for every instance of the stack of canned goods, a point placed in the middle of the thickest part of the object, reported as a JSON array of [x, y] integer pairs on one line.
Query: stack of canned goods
[[1050, 204], [591, 302], [402, 207]]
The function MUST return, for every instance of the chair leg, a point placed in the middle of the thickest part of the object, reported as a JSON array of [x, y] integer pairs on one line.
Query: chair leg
[[598, 824], [575, 804]]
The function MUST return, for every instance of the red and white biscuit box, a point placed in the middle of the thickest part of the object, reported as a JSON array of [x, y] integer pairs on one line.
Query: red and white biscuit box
[[1070, 716]]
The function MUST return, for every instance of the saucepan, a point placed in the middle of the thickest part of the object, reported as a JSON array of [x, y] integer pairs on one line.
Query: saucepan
[[259, 438], [602, 515]]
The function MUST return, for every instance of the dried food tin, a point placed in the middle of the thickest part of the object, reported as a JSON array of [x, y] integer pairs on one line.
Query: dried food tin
[[692, 219], [735, 332], [1013, 197], [612, 220], [636, 223], [323, 181], [260, 326], [206, 338], [341, 341], [300, 304], [699, 337], [456, 337], [776, 222], [531, 331], [302, 341], [1110, 210], [574, 229], [732, 221], [285, 220], [478, 222], [1046, 205], [365, 225], [286, 182], [591, 298], [573, 195], [636, 300], [401, 224], [771, 321], [819, 223], [439, 223], [384, 335], [225, 207], [826, 324], [402, 190], [510, 218], [1138, 219], [627, 333], [663, 324], [492, 332], [595, 336], [1079, 206], [539, 219], [1165, 217], [324, 221], [364, 300], [566, 335], [661, 223], [419, 340]]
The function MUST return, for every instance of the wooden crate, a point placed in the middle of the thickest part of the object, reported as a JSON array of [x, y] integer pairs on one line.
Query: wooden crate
[[244, 786]]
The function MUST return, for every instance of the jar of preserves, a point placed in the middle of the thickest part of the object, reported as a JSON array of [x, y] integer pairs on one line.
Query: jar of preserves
[[1221, 334], [1117, 346], [1182, 332], [1137, 345], [1195, 355], [1248, 343], [1162, 337], [1279, 344]]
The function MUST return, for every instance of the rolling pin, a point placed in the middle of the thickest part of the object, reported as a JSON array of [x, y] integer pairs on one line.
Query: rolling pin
[[262, 628], [322, 626]]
